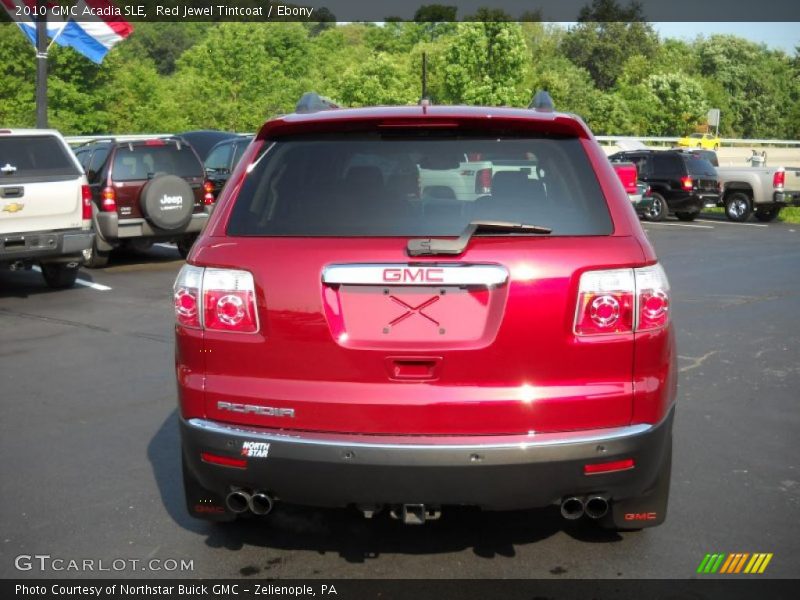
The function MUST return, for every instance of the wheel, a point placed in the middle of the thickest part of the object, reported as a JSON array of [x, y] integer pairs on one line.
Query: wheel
[[60, 275], [94, 258], [658, 210], [185, 245], [686, 216], [737, 207], [767, 214]]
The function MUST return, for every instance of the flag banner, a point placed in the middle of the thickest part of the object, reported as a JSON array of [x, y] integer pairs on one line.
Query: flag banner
[[91, 27]]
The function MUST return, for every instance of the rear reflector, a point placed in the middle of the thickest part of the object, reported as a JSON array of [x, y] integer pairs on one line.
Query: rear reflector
[[608, 467], [224, 461]]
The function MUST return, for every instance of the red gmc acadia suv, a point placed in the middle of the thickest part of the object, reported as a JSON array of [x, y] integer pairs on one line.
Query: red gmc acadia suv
[[351, 332]]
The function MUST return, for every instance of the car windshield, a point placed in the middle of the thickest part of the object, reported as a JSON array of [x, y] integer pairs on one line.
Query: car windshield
[[418, 186], [143, 162], [696, 135], [36, 155]]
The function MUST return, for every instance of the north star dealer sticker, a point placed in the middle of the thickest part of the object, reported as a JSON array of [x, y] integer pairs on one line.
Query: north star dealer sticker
[[255, 449]]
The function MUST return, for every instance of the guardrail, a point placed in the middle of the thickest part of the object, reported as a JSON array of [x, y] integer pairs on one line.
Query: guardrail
[[603, 139]]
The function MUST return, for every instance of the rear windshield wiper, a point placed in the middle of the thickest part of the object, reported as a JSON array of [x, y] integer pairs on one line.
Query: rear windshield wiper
[[432, 246]]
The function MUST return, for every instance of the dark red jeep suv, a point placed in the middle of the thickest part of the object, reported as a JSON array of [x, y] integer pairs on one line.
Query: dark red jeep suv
[[353, 330]]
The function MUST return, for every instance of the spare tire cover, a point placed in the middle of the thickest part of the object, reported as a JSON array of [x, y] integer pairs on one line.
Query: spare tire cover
[[168, 202]]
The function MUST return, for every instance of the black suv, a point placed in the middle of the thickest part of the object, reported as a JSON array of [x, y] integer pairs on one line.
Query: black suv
[[222, 158], [680, 183], [144, 191]]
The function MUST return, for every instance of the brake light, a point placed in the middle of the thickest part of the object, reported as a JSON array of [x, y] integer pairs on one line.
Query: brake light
[[483, 181], [208, 188], [154, 143], [779, 179], [187, 296], [687, 184], [108, 200], [86, 202], [216, 300], [622, 301]]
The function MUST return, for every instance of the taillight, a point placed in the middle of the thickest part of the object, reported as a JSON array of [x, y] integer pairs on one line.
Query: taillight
[[687, 184], [187, 296], [208, 188], [779, 179], [622, 301], [108, 200], [605, 302], [216, 299], [483, 181], [86, 202]]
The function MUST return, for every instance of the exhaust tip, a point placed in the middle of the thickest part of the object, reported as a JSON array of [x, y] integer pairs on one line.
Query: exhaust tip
[[596, 507], [260, 503], [237, 501], [572, 508]]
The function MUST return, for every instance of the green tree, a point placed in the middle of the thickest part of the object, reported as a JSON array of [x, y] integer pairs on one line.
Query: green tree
[[680, 103], [380, 80], [486, 65], [605, 36]]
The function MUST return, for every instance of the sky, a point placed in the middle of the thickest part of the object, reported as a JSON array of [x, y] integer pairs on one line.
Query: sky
[[778, 36]]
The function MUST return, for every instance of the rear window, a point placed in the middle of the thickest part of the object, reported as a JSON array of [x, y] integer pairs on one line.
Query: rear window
[[418, 186], [143, 162], [700, 167], [34, 156]]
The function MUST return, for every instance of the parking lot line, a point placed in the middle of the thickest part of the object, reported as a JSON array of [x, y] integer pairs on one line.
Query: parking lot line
[[90, 284], [732, 223], [681, 225]]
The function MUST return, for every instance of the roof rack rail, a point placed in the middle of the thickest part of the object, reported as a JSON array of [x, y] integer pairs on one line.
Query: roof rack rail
[[312, 102], [542, 102]]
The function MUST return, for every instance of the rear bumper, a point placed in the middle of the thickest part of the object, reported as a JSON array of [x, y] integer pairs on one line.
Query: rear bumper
[[493, 472], [112, 229], [48, 246], [641, 204], [786, 198]]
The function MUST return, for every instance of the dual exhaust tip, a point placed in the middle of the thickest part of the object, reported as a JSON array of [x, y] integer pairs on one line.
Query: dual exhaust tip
[[594, 507], [239, 501]]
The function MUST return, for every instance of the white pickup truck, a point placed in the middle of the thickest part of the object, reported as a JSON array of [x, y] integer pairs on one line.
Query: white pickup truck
[[45, 205], [762, 191]]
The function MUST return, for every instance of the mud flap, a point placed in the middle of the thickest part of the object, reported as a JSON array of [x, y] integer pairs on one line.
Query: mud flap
[[647, 510], [201, 503]]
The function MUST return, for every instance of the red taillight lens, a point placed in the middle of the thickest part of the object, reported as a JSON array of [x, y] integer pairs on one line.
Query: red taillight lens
[[609, 467], [208, 189], [187, 296], [224, 461], [687, 184], [605, 302], [779, 179], [622, 301], [86, 202], [216, 299], [483, 181], [108, 200]]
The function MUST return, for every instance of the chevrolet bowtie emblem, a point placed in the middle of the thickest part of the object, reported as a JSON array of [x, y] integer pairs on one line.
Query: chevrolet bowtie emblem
[[13, 207]]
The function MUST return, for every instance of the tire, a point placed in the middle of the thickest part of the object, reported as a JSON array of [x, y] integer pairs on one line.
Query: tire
[[167, 202], [768, 214], [658, 210], [686, 216], [185, 245], [94, 258], [738, 207], [60, 276]]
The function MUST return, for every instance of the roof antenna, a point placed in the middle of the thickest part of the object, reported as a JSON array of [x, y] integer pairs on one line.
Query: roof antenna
[[542, 102], [311, 102]]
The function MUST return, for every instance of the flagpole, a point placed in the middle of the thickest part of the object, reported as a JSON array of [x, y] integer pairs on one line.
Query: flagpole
[[41, 64]]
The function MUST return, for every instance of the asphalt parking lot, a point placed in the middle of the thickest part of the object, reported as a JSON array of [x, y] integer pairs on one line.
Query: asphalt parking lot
[[90, 458]]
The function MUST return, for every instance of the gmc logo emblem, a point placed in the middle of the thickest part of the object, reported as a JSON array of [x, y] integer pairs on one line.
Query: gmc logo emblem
[[650, 516], [413, 275]]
